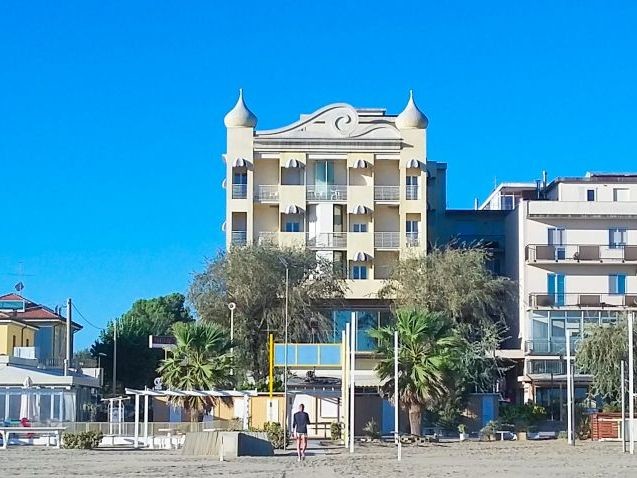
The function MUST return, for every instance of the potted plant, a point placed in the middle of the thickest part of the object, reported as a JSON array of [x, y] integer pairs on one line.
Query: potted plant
[[462, 429]]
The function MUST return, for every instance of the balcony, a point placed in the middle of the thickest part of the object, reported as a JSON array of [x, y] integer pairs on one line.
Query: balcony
[[267, 193], [308, 355], [26, 352], [327, 240], [386, 240], [271, 238], [552, 346], [239, 191], [581, 253], [412, 239], [593, 300], [564, 209], [238, 238], [545, 367], [411, 192], [333, 193], [386, 193]]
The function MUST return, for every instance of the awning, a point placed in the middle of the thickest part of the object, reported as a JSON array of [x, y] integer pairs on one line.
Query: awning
[[292, 209], [293, 163], [361, 164], [361, 256], [240, 163], [414, 163], [360, 209]]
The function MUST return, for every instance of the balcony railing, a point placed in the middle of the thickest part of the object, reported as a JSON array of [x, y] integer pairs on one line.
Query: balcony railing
[[537, 367], [574, 253], [386, 193], [268, 238], [239, 191], [326, 192], [327, 240], [267, 193], [552, 346], [239, 238], [387, 240], [412, 239], [411, 192], [591, 300]]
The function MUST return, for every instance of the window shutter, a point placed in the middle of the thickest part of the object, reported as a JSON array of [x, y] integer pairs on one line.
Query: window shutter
[[621, 284]]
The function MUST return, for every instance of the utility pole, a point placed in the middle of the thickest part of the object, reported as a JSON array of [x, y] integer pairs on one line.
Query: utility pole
[[69, 336], [115, 358], [631, 384]]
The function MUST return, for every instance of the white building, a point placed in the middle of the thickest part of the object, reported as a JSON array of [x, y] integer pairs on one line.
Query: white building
[[572, 247]]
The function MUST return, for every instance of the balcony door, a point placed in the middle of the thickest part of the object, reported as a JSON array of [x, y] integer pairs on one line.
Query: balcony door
[[555, 288], [557, 239]]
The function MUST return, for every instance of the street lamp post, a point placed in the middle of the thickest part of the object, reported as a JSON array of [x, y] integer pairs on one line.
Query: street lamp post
[[285, 352], [569, 390], [232, 306]]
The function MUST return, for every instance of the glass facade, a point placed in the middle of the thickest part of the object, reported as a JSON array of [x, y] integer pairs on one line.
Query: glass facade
[[365, 321]]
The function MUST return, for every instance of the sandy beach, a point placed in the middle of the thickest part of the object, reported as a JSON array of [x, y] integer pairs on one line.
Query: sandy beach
[[510, 459]]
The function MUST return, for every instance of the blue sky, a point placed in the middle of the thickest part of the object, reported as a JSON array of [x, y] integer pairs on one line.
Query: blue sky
[[111, 115]]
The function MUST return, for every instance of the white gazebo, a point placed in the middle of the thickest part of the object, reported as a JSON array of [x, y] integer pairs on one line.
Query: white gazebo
[[183, 393]]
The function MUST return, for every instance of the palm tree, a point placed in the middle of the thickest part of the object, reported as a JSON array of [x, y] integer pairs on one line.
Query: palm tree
[[429, 353], [201, 360]]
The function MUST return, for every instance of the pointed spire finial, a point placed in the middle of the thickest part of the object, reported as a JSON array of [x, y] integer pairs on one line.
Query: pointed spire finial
[[411, 117], [240, 116]]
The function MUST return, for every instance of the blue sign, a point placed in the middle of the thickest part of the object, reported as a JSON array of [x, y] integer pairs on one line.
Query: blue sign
[[12, 305]]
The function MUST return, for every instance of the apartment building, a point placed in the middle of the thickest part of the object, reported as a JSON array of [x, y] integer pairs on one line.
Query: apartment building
[[572, 248], [350, 183]]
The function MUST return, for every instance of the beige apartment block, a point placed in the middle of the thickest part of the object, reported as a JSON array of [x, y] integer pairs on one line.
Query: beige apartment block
[[349, 183], [571, 245]]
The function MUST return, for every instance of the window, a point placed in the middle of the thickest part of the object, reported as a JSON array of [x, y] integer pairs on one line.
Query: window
[[590, 195], [617, 284], [557, 237], [14, 341], [337, 220], [27, 344], [323, 173], [412, 187], [340, 264], [240, 178], [621, 195], [359, 227], [292, 226], [507, 203], [359, 272], [616, 237]]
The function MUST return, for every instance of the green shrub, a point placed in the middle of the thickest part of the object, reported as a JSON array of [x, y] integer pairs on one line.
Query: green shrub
[[372, 430], [462, 428], [274, 431], [488, 431], [336, 431], [521, 416], [82, 440]]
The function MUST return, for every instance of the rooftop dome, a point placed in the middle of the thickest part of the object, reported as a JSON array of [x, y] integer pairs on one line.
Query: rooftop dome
[[240, 116], [411, 117]]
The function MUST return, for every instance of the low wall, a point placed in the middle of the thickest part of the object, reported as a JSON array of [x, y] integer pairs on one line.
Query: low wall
[[229, 444]]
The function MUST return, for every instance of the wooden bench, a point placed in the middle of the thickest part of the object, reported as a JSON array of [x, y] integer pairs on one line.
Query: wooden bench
[[6, 433]]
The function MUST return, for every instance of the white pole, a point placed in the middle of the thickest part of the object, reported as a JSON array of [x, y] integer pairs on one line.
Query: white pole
[[136, 445], [396, 394], [232, 306], [352, 372], [285, 354], [345, 385], [69, 337], [569, 391], [623, 392], [631, 385], [146, 420]]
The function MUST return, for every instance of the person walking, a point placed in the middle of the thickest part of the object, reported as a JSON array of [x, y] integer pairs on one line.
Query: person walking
[[299, 427]]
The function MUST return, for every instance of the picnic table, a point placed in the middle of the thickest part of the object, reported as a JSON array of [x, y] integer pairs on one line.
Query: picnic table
[[6, 433]]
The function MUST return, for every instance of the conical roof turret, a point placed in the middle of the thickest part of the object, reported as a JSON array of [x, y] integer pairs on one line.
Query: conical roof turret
[[240, 116], [411, 117]]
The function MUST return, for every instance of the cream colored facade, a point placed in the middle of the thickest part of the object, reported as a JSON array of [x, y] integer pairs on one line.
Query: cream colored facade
[[351, 184]]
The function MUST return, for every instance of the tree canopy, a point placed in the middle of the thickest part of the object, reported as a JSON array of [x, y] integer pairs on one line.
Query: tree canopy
[[600, 354], [137, 363], [201, 360], [430, 353], [253, 277]]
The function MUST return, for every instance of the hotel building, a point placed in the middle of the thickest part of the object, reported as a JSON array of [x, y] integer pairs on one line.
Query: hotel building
[[571, 245], [350, 183]]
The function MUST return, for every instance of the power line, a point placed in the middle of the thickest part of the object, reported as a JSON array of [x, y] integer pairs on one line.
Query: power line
[[84, 318]]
